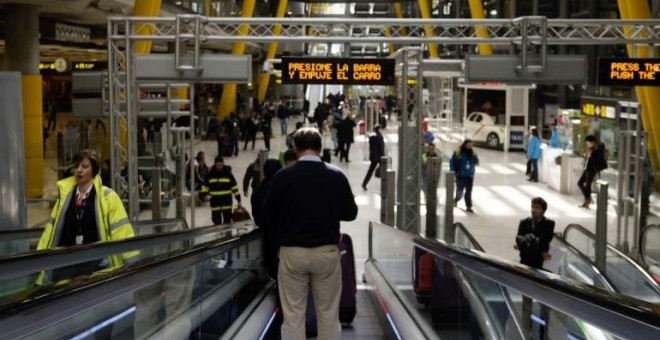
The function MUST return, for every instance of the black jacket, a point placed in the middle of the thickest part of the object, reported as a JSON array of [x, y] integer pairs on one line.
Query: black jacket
[[345, 130], [305, 203], [252, 177], [533, 239], [221, 185], [376, 147], [597, 157]]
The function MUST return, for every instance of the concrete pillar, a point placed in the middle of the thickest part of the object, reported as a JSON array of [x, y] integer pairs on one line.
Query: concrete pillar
[[22, 55], [22, 38]]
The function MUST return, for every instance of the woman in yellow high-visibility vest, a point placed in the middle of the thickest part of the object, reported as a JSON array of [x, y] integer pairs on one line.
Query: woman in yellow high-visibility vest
[[85, 212]]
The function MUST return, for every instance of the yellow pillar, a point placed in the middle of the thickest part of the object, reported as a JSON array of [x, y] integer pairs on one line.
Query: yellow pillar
[[264, 78], [398, 11], [33, 117], [207, 8], [145, 8], [228, 99], [477, 12], [646, 96], [388, 33], [425, 12]]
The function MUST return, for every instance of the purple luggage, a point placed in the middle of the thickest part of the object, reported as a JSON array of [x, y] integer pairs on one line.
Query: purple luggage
[[347, 301]]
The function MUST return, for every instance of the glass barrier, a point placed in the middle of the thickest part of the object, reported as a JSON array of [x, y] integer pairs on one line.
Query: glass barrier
[[570, 263], [625, 275], [651, 250], [415, 274], [198, 302], [17, 289], [460, 293]]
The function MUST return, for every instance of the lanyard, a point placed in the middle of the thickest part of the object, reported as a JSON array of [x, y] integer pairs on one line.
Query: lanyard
[[81, 201]]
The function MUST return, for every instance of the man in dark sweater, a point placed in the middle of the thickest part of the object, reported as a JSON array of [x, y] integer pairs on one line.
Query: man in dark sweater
[[304, 205]]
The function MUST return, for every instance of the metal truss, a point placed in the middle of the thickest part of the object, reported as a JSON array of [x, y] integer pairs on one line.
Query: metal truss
[[535, 30], [409, 61], [192, 33]]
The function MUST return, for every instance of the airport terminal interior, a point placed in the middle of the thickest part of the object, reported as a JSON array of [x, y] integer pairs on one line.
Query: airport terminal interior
[[498, 117]]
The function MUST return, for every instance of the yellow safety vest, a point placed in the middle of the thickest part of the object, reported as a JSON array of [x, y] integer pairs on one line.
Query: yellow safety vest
[[112, 221]]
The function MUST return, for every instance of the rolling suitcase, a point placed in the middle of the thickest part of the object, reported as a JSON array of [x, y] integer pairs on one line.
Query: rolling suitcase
[[347, 302], [422, 275], [448, 303]]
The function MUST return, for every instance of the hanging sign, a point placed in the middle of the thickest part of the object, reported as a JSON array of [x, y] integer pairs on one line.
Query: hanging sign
[[342, 71]]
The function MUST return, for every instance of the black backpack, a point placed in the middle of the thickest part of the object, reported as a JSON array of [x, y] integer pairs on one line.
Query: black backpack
[[601, 159]]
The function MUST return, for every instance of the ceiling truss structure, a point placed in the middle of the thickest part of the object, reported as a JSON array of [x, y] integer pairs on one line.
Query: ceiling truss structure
[[447, 31], [190, 33]]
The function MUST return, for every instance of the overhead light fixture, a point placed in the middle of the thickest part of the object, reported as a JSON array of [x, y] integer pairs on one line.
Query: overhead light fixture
[[493, 12]]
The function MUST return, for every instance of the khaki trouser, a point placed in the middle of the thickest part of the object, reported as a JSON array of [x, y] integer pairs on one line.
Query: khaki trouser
[[299, 269]]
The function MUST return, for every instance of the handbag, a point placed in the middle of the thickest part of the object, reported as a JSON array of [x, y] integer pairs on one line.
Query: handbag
[[240, 214], [377, 172]]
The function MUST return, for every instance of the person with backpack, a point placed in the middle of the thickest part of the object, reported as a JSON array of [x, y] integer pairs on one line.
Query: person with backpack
[[595, 162], [463, 163]]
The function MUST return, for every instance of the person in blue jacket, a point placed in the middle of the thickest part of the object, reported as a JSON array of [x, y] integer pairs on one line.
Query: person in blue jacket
[[534, 154], [553, 142], [463, 163]]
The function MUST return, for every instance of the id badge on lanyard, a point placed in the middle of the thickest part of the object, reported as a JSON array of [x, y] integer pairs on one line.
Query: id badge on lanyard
[[79, 239]]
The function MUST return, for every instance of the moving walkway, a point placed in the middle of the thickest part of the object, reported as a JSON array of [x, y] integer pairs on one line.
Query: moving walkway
[[209, 283]]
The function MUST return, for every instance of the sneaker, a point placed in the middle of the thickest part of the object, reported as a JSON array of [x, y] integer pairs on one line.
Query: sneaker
[[469, 210]]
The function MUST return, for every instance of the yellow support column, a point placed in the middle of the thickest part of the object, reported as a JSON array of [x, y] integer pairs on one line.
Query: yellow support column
[[398, 12], [207, 8], [33, 123], [425, 12], [477, 12], [388, 33], [646, 96], [264, 78], [145, 8], [228, 99]]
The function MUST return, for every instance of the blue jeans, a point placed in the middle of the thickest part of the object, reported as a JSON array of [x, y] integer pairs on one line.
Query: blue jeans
[[284, 124]]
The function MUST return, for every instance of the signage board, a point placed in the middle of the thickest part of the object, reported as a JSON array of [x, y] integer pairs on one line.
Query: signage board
[[599, 107], [341, 71], [504, 68], [516, 137], [628, 72]]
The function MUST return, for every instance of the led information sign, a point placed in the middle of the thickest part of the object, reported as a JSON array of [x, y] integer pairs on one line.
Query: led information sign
[[343, 71], [628, 72]]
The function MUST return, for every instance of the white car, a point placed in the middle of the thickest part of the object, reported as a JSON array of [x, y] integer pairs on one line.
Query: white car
[[480, 127]]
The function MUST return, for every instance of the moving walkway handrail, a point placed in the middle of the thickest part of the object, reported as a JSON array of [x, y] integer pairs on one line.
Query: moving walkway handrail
[[621, 315], [642, 248], [507, 298], [584, 258], [51, 308], [18, 265], [34, 233], [645, 274], [21, 234]]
